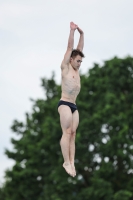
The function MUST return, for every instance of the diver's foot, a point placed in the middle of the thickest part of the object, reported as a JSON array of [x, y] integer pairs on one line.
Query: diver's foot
[[68, 168], [73, 169]]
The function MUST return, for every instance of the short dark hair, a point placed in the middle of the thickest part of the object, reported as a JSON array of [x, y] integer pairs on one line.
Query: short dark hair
[[76, 52]]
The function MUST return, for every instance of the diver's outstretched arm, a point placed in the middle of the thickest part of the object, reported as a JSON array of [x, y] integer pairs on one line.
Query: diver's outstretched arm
[[81, 39]]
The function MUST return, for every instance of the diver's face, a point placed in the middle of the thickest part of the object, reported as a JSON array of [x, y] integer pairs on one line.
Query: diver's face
[[76, 62]]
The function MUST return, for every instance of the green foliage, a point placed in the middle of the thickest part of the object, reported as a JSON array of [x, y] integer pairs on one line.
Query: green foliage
[[104, 142], [122, 195], [2, 195]]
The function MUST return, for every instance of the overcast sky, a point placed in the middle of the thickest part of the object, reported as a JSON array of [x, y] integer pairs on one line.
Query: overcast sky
[[33, 40]]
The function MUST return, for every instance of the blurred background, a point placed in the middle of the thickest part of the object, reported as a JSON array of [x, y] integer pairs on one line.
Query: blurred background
[[33, 40]]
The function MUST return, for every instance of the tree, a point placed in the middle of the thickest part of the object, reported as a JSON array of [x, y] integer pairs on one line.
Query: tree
[[104, 142], [2, 195]]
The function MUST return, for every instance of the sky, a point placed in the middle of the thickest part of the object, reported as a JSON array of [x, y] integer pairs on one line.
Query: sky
[[33, 41]]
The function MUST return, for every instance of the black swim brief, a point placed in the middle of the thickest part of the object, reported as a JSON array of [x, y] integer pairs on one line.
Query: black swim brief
[[72, 106]]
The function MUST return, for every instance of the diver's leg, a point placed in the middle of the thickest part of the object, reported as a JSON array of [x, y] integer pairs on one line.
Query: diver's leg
[[66, 125], [75, 122]]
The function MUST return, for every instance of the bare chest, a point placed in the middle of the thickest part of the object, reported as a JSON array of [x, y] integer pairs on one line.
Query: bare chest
[[72, 77]]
